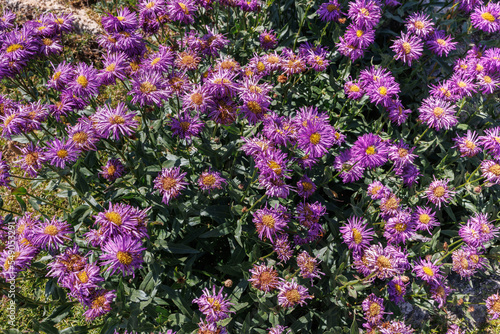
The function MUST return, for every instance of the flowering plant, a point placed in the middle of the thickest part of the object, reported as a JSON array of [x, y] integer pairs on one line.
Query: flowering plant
[[241, 166]]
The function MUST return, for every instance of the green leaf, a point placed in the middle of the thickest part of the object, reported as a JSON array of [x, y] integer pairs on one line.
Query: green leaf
[[19, 191]]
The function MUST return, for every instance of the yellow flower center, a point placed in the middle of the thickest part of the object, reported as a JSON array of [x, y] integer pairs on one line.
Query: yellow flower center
[[357, 236], [364, 11], [111, 171], [306, 185], [428, 271], [116, 119], [82, 80], [31, 158], [419, 25], [80, 137], [382, 90], [47, 41], [273, 60], [424, 218], [275, 167], [331, 8], [402, 152], [147, 87], [487, 79], [254, 107], [197, 98], [462, 84], [14, 47], [268, 221], [470, 145], [354, 88], [110, 68], [383, 262], [260, 66], [183, 7], [124, 257], [407, 47], [114, 217], [83, 276], [370, 150], [168, 183], [62, 153], [209, 180], [438, 111], [150, 5], [375, 190], [400, 227], [374, 309], [50, 230], [441, 41], [293, 296], [215, 303], [398, 289], [99, 302], [439, 191], [495, 169], [120, 18], [56, 75], [488, 17], [359, 33], [315, 138]]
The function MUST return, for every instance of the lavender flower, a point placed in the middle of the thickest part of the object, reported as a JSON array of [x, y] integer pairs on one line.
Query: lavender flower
[[51, 234], [407, 48], [292, 294], [123, 254], [115, 122], [439, 192], [60, 153], [214, 306], [170, 183], [264, 278], [356, 234]]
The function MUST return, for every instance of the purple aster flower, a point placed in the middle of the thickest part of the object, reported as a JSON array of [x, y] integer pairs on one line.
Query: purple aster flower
[[359, 36], [113, 170], [60, 153], [409, 173], [256, 146], [488, 83], [440, 43], [268, 39], [149, 88], [7, 20], [273, 164], [399, 228], [264, 278], [486, 18], [439, 192], [125, 20], [50, 234], [179, 82], [210, 328], [12, 121], [315, 138], [397, 289], [186, 126], [491, 171], [255, 107], [350, 167], [377, 190], [407, 48], [466, 261], [373, 308], [420, 24], [366, 13], [491, 140], [353, 90], [221, 84], [160, 61], [349, 50], [279, 330], [308, 266], [83, 135], [224, 111], [65, 106], [215, 306], [437, 113], [382, 91], [122, 253], [85, 82], [356, 234], [389, 205], [442, 91], [292, 63], [169, 183], [370, 150], [18, 45], [329, 11], [305, 187], [493, 306], [34, 114], [187, 61], [292, 294], [86, 279], [469, 5], [280, 130], [63, 23], [424, 219], [371, 75], [67, 263], [114, 67], [401, 153], [4, 172], [211, 181], [15, 259], [397, 112], [308, 214], [427, 271], [282, 248], [197, 99], [117, 122], [462, 85], [98, 303], [439, 292], [269, 222], [385, 262], [468, 144], [397, 327], [478, 231], [453, 328]]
